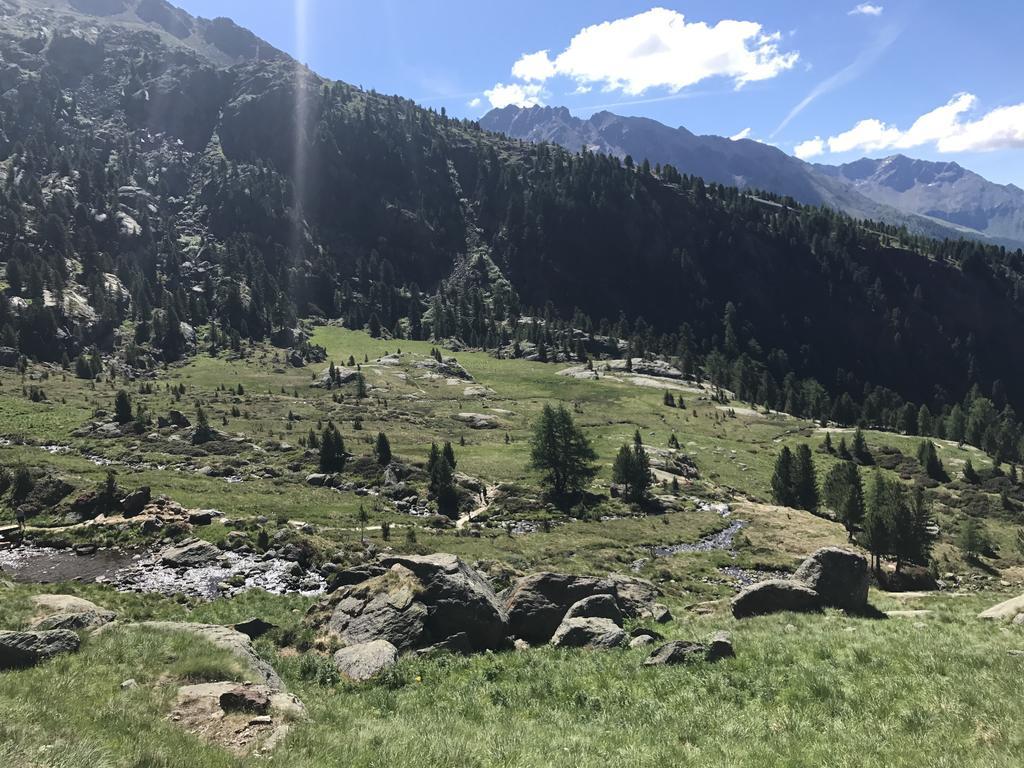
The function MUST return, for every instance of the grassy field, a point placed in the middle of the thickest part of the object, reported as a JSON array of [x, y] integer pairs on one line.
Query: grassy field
[[939, 690]]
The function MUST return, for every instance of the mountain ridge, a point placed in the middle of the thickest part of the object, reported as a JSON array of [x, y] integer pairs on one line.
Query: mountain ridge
[[747, 163]]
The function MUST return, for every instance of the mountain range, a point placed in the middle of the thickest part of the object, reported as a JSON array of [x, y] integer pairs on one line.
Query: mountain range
[[168, 182], [935, 199]]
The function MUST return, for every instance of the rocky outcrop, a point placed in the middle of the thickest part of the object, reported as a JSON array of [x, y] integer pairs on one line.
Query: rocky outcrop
[[26, 649], [839, 576], [1004, 611], [191, 553], [773, 596], [365, 660], [417, 602], [537, 603], [595, 633]]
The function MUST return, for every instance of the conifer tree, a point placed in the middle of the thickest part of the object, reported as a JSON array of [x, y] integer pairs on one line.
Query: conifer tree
[[382, 449], [843, 493], [122, 407], [783, 492], [562, 453], [805, 483]]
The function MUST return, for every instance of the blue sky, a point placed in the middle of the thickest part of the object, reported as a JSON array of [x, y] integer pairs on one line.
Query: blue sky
[[828, 80]]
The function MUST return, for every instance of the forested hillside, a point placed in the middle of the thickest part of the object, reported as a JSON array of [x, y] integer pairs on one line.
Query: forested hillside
[[148, 183]]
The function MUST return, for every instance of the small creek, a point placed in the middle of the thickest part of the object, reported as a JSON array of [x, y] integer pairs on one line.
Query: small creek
[[231, 574]]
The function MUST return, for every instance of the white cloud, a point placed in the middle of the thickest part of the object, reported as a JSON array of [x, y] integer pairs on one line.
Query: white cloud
[[475, 102], [581, 89], [943, 127], [866, 9], [744, 134], [520, 95], [658, 49], [810, 148], [534, 67]]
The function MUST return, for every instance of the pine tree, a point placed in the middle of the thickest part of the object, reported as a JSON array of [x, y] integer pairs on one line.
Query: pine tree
[[122, 407], [561, 451], [442, 487], [973, 539], [826, 444], [860, 451], [633, 470], [930, 462], [970, 474], [449, 455], [382, 449], [843, 493], [363, 517], [877, 520], [783, 492], [804, 482], [332, 449], [843, 452]]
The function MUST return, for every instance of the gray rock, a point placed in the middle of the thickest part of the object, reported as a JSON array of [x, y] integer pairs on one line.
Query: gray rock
[[597, 607], [641, 640], [596, 633], [364, 660], [252, 700], [418, 601], [1008, 609], [25, 649], [135, 502], [191, 554], [676, 652], [839, 576], [77, 620], [537, 603], [773, 596], [635, 595], [1019, 619], [660, 613], [720, 646]]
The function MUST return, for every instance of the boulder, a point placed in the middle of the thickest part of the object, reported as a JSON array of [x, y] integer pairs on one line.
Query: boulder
[[641, 640], [839, 576], [136, 501], [69, 612], [635, 595], [254, 701], [685, 652], [537, 603], [418, 601], [597, 633], [775, 595], [1008, 609], [191, 553], [25, 649], [1018, 620], [364, 660], [458, 644], [596, 607], [720, 646]]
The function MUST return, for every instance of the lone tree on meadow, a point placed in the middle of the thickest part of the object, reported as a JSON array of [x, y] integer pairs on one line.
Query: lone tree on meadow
[[561, 451], [122, 407], [382, 449], [632, 469]]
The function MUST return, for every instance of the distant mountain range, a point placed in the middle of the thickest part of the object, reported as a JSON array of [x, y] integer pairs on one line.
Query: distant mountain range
[[936, 199]]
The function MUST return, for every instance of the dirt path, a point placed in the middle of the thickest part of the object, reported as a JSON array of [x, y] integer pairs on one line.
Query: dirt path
[[467, 518]]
